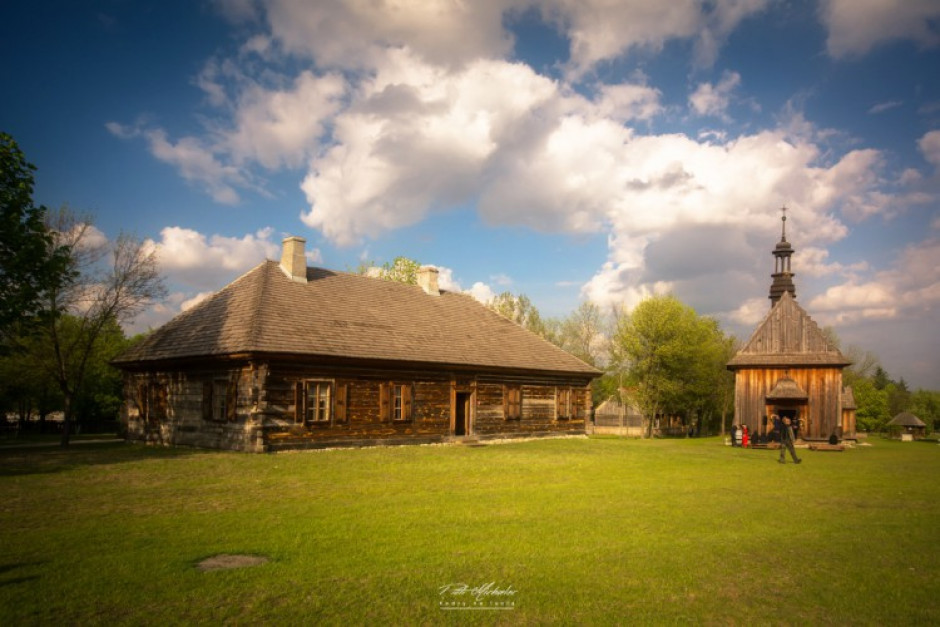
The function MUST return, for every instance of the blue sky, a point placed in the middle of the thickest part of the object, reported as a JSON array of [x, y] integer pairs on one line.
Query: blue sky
[[566, 150]]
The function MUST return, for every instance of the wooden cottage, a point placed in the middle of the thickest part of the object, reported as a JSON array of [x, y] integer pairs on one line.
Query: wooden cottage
[[288, 356], [788, 367]]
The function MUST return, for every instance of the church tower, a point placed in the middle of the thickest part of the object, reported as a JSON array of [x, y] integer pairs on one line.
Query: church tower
[[782, 276]]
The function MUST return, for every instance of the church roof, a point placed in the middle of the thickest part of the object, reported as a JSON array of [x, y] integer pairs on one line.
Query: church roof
[[788, 337], [352, 317]]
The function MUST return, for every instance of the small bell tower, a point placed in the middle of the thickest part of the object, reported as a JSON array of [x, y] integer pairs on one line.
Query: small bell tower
[[782, 276]]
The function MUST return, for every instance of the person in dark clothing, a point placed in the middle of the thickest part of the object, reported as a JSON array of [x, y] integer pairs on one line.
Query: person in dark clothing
[[734, 435], [786, 440]]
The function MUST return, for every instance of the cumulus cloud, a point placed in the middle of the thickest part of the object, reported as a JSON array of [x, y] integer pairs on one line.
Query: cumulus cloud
[[855, 27], [191, 258], [713, 100], [195, 161], [929, 146], [600, 30], [911, 286], [354, 35], [417, 138]]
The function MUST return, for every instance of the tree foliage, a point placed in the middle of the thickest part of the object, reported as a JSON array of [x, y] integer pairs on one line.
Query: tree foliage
[[673, 359], [520, 310], [30, 260]]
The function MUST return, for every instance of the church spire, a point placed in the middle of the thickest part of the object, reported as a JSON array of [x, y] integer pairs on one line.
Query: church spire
[[782, 277]]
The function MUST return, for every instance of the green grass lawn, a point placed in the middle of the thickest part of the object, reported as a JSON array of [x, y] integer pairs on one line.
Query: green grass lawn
[[580, 531]]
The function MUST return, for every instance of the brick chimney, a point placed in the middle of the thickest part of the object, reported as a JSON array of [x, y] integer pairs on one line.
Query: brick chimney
[[427, 280], [293, 259]]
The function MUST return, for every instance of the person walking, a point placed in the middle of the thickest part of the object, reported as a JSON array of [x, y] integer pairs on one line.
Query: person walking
[[786, 440]]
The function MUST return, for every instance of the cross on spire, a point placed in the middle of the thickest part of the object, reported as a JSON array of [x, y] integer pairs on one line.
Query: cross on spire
[[783, 236]]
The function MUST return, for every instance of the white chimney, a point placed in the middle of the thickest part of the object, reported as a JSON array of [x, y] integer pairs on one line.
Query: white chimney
[[293, 259], [427, 280]]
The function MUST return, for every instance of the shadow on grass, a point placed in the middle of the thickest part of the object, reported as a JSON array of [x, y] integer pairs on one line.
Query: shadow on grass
[[9, 568], [48, 460]]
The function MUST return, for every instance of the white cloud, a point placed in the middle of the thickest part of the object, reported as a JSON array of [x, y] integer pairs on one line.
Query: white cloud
[[881, 107], [626, 102], [354, 35], [189, 303], [929, 146], [857, 27], [911, 287], [417, 138], [193, 259], [193, 159], [750, 312], [482, 292], [275, 127], [814, 262], [713, 100], [600, 30]]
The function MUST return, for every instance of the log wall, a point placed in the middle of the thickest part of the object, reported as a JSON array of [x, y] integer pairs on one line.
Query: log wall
[[172, 408]]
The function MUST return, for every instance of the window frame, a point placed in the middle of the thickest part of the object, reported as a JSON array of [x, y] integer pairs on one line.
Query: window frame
[[323, 409], [396, 402]]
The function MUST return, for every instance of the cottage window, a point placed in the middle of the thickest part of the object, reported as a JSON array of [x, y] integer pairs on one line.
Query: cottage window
[[219, 397], [318, 403], [395, 402], [512, 402], [152, 401], [219, 400]]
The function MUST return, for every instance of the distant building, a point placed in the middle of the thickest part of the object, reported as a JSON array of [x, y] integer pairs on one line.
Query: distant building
[[788, 367], [288, 356]]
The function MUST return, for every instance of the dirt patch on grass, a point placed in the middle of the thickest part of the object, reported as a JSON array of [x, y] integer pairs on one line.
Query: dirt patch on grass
[[226, 561]]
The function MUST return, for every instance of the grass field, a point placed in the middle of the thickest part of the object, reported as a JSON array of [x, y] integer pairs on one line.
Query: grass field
[[581, 531]]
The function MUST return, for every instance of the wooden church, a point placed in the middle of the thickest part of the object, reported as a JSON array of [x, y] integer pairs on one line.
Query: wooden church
[[789, 368]]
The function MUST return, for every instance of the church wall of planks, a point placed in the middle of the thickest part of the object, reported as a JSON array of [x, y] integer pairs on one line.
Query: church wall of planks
[[821, 412]]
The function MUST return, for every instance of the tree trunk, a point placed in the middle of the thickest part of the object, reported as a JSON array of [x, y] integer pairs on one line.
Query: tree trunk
[[66, 422]]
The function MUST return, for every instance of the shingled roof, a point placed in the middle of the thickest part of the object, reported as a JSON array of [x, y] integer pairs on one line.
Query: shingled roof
[[343, 315], [788, 337]]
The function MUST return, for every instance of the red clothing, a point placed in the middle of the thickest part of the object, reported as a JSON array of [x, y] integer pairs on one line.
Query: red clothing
[[744, 438]]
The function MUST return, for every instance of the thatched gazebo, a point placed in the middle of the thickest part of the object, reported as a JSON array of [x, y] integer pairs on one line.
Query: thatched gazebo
[[908, 425]]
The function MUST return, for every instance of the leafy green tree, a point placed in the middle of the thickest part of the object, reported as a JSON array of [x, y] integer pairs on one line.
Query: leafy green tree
[[674, 361], [30, 260], [651, 345], [925, 404], [402, 270], [873, 412], [899, 397]]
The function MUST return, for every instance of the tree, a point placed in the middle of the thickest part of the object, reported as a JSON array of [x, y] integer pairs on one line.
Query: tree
[[872, 413], [110, 282], [651, 345], [582, 334], [520, 310], [30, 262], [925, 404]]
